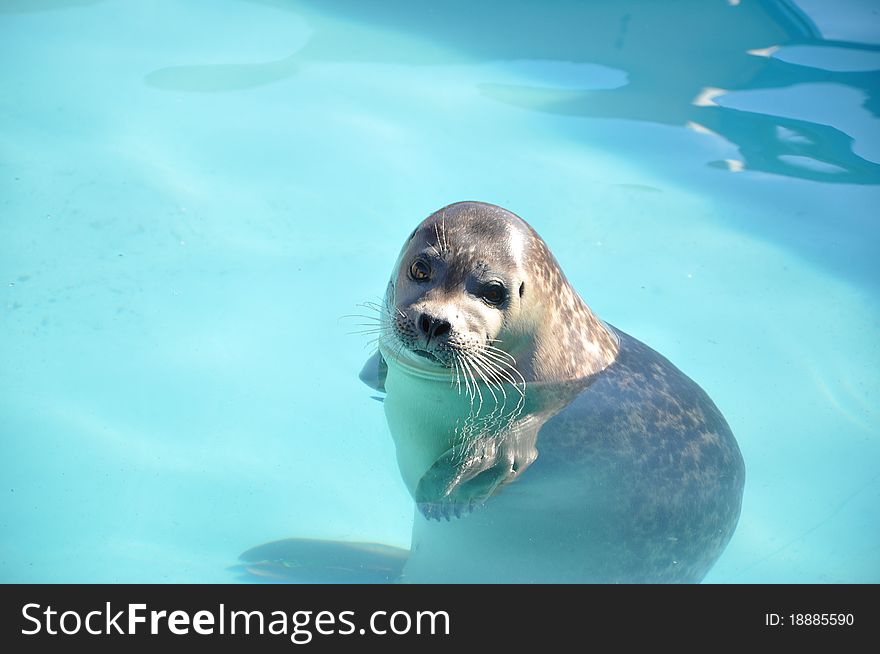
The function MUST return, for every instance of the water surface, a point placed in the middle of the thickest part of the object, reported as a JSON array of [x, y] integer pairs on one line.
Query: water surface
[[192, 195]]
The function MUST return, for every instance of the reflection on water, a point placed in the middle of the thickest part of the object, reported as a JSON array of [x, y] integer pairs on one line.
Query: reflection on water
[[671, 54]]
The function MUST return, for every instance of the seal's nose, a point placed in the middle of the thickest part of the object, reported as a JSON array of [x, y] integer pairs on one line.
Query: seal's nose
[[433, 327]]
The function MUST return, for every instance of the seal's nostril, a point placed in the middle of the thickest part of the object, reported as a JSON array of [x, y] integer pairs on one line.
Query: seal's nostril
[[433, 327]]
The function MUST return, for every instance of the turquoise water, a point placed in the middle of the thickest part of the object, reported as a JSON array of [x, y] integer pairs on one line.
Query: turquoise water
[[194, 194]]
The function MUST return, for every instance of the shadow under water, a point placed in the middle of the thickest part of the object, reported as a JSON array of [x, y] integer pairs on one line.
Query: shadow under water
[[305, 560], [680, 60]]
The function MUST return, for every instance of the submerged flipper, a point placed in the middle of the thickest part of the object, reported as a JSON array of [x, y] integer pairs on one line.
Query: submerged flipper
[[306, 560], [470, 473], [374, 372]]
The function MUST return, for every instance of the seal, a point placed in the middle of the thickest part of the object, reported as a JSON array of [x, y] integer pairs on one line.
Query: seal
[[539, 443]]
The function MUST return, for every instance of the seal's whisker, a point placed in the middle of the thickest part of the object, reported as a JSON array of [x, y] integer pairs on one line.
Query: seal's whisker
[[444, 241], [502, 353], [467, 385], [479, 366], [366, 332], [501, 357], [372, 325], [491, 379], [457, 372], [503, 376], [452, 369], [475, 387], [377, 309], [520, 399], [469, 380], [391, 342], [363, 317], [439, 248], [498, 373], [494, 358], [481, 371], [381, 309], [488, 366], [510, 372], [511, 369], [379, 324]]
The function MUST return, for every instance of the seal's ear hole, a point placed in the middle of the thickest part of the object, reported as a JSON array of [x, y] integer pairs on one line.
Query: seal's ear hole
[[412, 235], [522, 288]]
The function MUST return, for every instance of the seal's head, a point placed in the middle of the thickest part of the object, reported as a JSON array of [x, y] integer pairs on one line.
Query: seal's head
[[477, 293]]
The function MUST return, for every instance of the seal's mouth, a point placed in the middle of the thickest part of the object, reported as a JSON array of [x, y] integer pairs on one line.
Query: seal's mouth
[[406, 347], [427, 355]]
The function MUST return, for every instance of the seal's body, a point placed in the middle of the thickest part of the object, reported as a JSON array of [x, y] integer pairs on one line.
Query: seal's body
[[539, 443], [637, 479]]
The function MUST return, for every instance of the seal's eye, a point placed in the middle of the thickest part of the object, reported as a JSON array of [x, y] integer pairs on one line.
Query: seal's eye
[[420, 270], [493, 293]]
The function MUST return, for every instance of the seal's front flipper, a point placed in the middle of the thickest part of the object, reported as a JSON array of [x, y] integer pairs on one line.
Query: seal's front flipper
[[306, 560], [470, 473], [374, 372]]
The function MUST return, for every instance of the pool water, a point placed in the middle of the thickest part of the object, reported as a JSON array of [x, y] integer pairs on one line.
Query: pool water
[[194, 196]]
